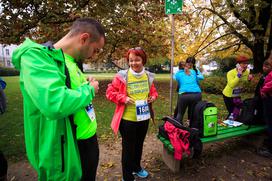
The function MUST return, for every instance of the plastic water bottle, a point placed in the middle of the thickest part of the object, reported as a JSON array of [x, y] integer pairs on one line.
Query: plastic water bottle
[[230, 118]]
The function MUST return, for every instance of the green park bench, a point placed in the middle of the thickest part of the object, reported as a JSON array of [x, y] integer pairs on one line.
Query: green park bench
[[223, 133]]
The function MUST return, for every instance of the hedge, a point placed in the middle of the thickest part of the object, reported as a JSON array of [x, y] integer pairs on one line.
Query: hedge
[[216, 84], [4, 71]]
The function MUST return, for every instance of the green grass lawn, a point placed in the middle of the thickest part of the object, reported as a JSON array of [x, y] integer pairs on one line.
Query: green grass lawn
[[11, 127], [11, 122]]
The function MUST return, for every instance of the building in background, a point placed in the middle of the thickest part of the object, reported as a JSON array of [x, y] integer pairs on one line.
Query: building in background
[[5, 55]]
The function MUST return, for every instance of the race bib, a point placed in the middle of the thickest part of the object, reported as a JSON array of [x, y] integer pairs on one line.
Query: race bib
[[142, 110], [90, 111], [236, 92]]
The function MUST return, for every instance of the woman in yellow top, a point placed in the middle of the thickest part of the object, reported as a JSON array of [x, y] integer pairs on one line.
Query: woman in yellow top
[[132, 91], [235, 79]]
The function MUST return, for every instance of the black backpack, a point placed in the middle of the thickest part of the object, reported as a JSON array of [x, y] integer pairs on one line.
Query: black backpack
[[198, 117], [251, 112]]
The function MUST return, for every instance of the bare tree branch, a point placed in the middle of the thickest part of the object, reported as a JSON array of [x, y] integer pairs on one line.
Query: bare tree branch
[[228, 47], [252, 15], [208, 36], [238, 15], [244, 39], [237, 49], [227, 34]]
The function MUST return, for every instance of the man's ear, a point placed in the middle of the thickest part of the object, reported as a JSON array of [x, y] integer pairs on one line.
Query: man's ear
[[84, 37]]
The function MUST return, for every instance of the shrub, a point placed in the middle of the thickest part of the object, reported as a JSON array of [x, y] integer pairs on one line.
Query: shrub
[[216, 84], [213, 84], [250, 86], [219, 73], [4, 71], [226, 64]]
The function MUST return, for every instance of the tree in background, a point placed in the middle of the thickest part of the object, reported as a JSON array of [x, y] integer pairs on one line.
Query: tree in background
[[127, 23], [205, 29], [238, 26]]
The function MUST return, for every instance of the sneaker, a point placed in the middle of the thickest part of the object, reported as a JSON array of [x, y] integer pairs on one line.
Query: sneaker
[[142, 174], [264, 152]]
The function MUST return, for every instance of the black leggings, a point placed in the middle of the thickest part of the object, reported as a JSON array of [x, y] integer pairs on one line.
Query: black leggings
[[187, 100], [89, 156], [133, 135], [229, 104]]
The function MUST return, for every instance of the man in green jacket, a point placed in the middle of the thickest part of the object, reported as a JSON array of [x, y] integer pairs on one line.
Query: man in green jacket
[[84, 118], [49, 103]]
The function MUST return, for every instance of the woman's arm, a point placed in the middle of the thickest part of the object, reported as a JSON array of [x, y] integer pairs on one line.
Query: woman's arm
[[199, 75], [113, 92]]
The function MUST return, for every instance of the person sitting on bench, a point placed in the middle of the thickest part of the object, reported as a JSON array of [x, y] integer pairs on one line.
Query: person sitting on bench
[[189, 89]]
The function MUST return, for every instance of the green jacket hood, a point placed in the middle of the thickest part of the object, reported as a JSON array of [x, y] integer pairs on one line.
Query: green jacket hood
[[29, 44]]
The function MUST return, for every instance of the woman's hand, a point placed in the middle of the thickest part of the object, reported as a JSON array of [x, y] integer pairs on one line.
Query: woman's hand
[[250, 77], [129, 101], [240, 70], [150, 99], [263, 95]]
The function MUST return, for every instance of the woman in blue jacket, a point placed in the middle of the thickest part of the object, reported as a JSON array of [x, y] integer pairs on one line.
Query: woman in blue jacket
[[189, 89]]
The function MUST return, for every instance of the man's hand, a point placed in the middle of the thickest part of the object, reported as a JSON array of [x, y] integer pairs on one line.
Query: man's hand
[[90, 78], [95, 84]]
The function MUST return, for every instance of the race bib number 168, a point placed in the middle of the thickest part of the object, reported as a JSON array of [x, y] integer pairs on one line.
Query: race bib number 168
[[142, 110]]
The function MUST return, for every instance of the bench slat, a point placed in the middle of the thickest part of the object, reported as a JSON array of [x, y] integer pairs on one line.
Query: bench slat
[[230, 132], [223, 133]]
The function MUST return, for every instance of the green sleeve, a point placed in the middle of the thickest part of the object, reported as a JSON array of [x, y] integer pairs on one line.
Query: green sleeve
[[45, 85]]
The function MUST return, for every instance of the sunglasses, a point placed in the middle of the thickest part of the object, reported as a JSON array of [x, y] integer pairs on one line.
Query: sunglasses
[[136, 48]]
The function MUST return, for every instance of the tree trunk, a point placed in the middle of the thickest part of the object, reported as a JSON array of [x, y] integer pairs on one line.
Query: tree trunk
[[269, 45], [258, 55]]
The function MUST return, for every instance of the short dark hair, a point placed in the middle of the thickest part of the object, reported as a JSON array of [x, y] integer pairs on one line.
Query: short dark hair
[[181, 65], [87, 25], [191, 60]]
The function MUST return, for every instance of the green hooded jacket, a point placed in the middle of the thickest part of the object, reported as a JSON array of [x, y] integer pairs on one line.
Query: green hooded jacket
[[50, 144]]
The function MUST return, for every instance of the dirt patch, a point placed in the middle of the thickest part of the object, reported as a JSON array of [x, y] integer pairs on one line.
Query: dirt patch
[[234, 159]]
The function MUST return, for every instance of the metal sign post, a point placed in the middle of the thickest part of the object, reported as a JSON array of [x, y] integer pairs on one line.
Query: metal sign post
[[172, 7], [172, 60]]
